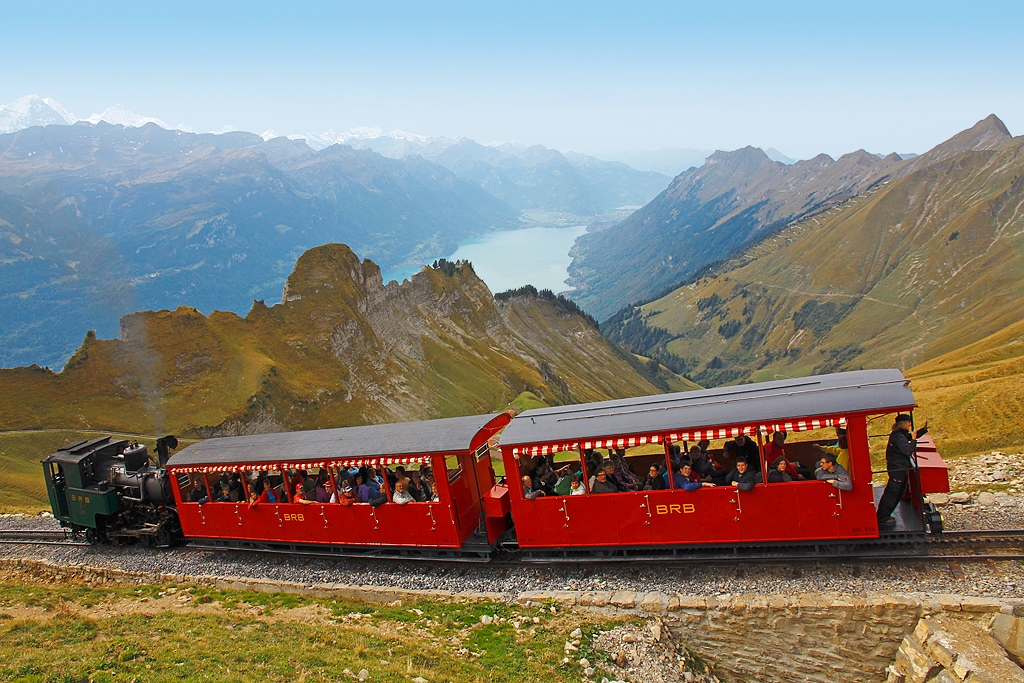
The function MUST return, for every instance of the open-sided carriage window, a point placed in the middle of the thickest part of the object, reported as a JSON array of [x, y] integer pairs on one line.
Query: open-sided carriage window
[[793, 454], [454, 466], [263, 486], [556, 474]]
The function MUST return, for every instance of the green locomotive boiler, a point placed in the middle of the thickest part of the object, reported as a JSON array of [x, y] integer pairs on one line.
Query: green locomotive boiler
[[109, 491]]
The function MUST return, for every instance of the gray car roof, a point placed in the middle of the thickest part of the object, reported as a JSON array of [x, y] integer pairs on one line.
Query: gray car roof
[[863, 391], [449, 435]]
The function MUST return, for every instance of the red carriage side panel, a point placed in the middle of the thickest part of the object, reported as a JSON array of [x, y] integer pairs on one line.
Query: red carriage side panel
[[934, 473]]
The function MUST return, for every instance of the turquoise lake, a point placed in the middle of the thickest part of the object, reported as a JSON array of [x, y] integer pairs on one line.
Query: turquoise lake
[[510, 259]]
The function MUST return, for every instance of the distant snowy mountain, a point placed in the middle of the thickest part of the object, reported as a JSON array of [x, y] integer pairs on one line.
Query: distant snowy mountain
[[119, 116], [32, 111], [398, 140], [776, 155]]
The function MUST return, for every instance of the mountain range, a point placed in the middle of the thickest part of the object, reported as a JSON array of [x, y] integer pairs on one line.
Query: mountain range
[[342, 348], [527, 178], [708, 212], [98, 220], [902, 261]]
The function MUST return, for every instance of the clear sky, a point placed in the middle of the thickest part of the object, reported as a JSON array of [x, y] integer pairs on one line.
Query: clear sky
[[804, 77]]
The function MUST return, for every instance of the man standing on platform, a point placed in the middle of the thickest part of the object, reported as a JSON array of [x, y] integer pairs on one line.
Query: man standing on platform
[[898, 454]]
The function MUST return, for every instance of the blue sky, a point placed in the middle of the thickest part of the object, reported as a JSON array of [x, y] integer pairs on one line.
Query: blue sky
[[804, 77]]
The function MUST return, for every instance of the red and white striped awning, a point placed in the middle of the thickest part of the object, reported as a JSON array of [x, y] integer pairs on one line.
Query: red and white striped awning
[[712, 434], [692, 435], [802, 425], [303, 465], [613, 442]]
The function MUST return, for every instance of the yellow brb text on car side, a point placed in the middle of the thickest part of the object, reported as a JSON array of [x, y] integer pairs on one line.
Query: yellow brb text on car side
[[684, 509], [293, 518]]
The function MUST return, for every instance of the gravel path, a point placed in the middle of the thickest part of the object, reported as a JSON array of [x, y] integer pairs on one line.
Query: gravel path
[[982, 579]]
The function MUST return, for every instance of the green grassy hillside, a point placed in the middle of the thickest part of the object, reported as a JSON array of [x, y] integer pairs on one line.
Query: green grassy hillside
[[974, 396], [898, 275]]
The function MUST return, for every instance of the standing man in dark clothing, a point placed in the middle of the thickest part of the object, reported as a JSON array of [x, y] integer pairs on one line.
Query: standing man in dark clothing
[[898, 460], [749, 450]]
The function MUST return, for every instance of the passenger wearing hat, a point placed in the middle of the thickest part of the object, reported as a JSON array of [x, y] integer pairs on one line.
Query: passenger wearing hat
[[306, 495], [348, 494], [416, 487], [898, 460]]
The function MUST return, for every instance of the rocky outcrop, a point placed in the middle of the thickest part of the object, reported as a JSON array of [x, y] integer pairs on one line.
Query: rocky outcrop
[[342, 348], [946, 650]]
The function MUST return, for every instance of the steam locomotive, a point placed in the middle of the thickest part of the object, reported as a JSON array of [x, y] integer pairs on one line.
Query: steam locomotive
[[110, 490]]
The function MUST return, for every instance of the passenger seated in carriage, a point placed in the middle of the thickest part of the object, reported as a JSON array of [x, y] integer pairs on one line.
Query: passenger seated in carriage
[[563, 485], [829, 470], [601, 482], [684, 479], [401, 495], [199, 493], [416, 487], [306, 494], [624, 476], [741, 476], [576, 487], [783, 470], [529, 492], [655, 479], [841, 450], [348, 494]]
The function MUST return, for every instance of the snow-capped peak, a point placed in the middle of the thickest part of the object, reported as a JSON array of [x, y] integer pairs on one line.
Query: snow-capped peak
[[119, 115], [68, 116], [269, 135], [32, 110]]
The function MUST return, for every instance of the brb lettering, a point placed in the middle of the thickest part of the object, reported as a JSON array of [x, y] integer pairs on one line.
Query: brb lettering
[[674, 509]]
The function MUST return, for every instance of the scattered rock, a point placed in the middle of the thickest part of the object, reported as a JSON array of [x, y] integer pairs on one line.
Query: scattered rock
[[486, 619], [629, 638], [578, 633], [960, 497], [998, 475], [363, 675], [420, 679], [939, 499], [656, 631], [585, 663], [986, 498], [569, 647]]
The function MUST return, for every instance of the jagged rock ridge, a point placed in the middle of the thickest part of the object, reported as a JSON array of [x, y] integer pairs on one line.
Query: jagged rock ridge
[[342, 348]]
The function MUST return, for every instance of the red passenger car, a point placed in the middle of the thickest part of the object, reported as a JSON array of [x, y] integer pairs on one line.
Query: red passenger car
[[455, 450], [676, 522]]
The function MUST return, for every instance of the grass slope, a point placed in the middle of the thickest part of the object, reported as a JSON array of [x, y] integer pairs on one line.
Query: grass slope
[[974, 396], [900, 274], [160, 633]]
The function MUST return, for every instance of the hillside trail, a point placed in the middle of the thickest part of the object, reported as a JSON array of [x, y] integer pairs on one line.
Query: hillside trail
[[81, 431]]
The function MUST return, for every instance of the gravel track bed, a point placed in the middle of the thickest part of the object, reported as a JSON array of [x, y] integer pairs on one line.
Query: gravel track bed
[[1004, 579]]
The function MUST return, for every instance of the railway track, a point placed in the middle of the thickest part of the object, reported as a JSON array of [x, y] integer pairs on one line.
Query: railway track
[[984, 544], [38, 537]]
